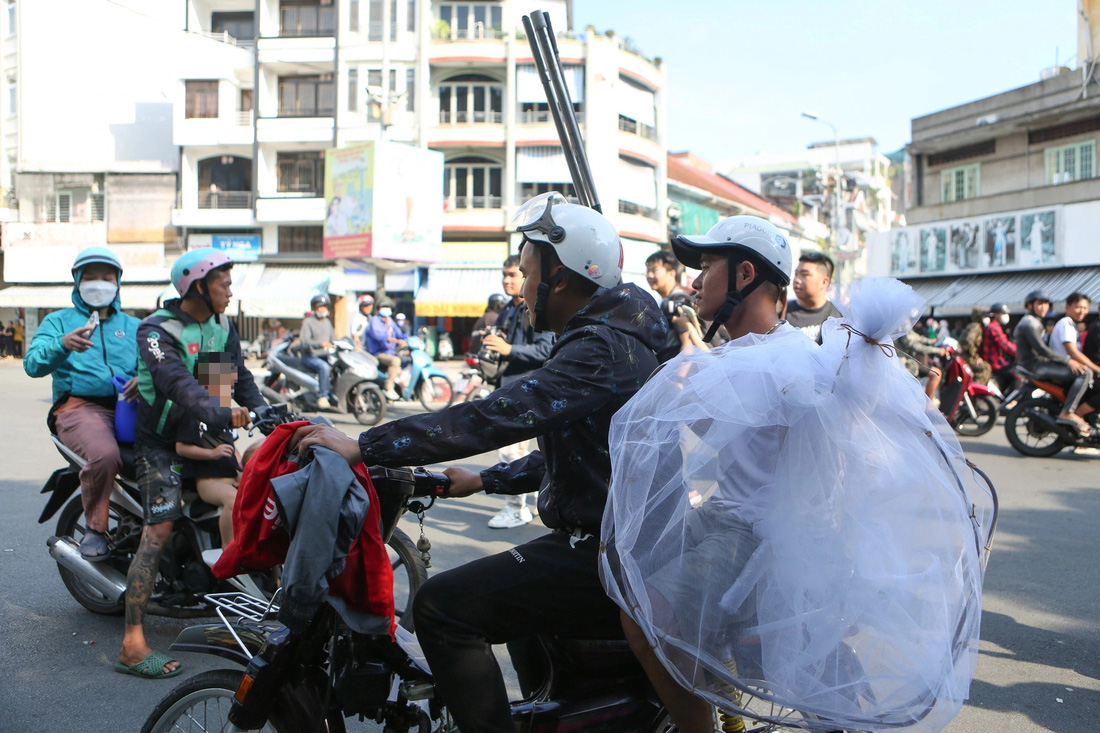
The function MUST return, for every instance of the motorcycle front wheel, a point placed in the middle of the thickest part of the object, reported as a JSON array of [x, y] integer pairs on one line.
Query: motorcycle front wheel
[[409, 574], [367, 403], [203, 703], [120, 526], [1029, 435], [984, 419], [435, 393]]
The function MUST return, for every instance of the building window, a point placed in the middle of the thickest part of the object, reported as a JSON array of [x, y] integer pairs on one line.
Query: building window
[[301, 240], [393, 20], [353, 90], [301, 172], [201, 100], [306, 18], [307, 96], [64, 207], [238, 26], [374, 22], [1069, 163], [410, 21], [959, 184], [470, 20], [410, 89], [12, 25], [530, 190], [353, 15], [471, 98], [225, 182], [13, 98], [472, 182]]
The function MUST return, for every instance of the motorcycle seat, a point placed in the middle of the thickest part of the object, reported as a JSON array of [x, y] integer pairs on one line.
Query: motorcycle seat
[[127, 469]]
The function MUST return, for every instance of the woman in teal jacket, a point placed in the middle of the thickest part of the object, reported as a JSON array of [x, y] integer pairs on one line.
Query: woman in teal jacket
[[84, 348]]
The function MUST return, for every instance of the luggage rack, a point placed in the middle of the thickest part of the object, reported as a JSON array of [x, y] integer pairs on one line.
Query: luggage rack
[[243, 607]]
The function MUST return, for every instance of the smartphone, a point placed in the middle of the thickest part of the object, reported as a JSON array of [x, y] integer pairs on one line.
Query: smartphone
[[93, 322]]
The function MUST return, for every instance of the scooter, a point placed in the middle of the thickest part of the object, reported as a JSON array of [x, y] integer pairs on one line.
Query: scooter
[[423, 380], [472, 384], [969, 406], [184, 576], [1032, 426], [355, 381], [312, 680]]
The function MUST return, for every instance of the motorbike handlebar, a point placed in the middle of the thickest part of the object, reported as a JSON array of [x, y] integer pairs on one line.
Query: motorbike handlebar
[[430, 483], [267, 418]]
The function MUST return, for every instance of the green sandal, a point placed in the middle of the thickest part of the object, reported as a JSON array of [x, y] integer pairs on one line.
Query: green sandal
[[150, 668]]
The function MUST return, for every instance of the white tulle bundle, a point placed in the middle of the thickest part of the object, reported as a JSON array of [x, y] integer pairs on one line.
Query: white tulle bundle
[[795, 521]]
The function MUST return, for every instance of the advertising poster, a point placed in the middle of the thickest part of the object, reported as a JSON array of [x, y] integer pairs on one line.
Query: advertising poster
[[903, 252], [349, 204], [933, 249], [408, 203], [1000, 241], [964, 239], [1037, 238]]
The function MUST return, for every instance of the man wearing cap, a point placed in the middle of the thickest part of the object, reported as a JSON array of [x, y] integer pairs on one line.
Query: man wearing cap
[[84, 348], [317, 335], [384, 337], [1033, 354], [361, 320]]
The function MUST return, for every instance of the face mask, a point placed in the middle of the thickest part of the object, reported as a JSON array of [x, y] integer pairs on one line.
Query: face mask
[[98, 293], [385, 312], [1003, 318]]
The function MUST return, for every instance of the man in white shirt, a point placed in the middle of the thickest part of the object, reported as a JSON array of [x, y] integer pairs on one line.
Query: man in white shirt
[[1065, 340]]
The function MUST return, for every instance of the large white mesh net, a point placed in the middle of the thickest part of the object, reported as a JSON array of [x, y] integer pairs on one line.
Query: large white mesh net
[[798, 522]]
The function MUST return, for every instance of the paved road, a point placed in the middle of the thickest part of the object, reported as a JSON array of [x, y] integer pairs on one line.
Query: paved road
[[1039, 667]]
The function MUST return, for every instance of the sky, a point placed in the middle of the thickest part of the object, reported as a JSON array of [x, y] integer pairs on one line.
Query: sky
[[740, 72]]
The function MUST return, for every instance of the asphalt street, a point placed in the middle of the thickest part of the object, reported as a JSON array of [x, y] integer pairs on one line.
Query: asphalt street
[[1038, 669]]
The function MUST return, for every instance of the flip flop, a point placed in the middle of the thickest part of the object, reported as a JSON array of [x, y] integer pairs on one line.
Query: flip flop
[[150, 668], [1082, 427], [93, 546]]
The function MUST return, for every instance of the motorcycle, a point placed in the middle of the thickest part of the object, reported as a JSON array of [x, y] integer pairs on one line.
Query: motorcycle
[[184, 575], [969, 406], [472, 384], [312, 680], [355, 382], [423, 380], [1032, 426]]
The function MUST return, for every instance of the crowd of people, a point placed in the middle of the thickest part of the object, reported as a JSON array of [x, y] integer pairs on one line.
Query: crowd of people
[[577, 349]]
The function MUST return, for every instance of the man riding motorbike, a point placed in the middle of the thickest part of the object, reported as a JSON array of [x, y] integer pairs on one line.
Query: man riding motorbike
[[84, 358], [169, 342], [317, 335], [572, 259], [384, 337]]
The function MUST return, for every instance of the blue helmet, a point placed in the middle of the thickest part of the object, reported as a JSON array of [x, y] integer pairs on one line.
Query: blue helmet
[[196, 264], [96, 256]]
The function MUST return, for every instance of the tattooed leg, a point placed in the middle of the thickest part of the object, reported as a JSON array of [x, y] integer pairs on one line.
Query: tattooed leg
[[139, 588]]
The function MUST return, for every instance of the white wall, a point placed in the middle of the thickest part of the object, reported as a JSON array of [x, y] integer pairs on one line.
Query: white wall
[[97, 81]]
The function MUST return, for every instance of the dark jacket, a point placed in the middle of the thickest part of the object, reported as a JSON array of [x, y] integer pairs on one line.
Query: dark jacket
[[529, 347], [169, 343], [601, 359], [1031, 350]]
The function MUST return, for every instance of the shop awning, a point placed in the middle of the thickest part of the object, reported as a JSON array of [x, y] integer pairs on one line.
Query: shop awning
[[956, 296], [281, 291], [458, 292], [141, 296]]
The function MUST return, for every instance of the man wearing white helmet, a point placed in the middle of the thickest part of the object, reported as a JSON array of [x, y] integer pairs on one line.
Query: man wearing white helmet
[[607, 332], [743, 262]]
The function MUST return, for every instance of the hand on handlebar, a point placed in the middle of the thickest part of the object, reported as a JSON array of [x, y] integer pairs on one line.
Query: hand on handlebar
[[464, 482], [239, 417], [308, 436]]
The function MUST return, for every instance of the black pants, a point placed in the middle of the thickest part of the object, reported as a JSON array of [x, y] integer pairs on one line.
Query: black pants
[[1063, 375], [550, 585]]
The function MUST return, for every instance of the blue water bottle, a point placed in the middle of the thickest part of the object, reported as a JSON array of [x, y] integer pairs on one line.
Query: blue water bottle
[[125, 414]]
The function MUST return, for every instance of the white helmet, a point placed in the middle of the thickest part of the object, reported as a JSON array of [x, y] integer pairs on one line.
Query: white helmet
[[584, 240], [745, 234]]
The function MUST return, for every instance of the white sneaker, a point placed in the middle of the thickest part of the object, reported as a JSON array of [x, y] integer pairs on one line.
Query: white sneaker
[[391, 395], [211, 557], [323, 403], [509, 518]]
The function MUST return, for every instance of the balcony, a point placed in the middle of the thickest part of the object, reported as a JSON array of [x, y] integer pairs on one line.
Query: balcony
[[225, 209], [461, 51], [482, 134], [296, 50], [278, 209], [473, 213], [636, 222], [1066, 193], [638, 128], [84, 234], [232, 128], [297, 127]]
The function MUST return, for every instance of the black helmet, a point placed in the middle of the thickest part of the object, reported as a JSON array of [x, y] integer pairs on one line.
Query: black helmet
[[496, 301], [998, 308], [1035, 295], [317, 301]]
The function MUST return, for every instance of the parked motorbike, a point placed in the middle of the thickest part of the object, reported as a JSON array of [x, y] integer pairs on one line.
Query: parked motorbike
[[1032, 426], [423, 380], [355, 381], [472, 384], [184, 576], [314, 679], [969, 406]]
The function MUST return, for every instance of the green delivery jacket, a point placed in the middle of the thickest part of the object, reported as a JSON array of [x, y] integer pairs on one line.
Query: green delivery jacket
[[169, 343]]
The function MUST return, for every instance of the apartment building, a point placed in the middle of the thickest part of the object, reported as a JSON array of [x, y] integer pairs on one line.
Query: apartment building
[[301, 76], [1005, 194]]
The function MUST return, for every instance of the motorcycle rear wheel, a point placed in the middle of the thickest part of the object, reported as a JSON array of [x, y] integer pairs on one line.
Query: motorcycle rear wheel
[[435, 393], [71, 523], [1027, 435], [986, 409], [367, 403], [203, 702]]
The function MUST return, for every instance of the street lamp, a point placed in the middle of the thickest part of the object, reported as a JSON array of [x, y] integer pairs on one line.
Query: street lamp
[[839, 174]]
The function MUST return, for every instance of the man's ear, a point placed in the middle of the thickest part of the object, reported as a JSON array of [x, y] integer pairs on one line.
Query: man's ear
[[563, 283], [747, 271]]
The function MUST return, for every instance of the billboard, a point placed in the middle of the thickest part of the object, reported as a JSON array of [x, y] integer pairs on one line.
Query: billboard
[[239, 247], [384, 200]]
